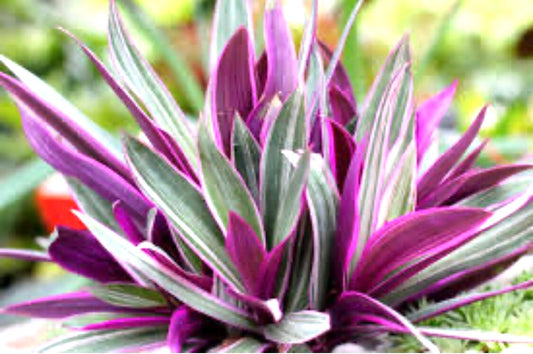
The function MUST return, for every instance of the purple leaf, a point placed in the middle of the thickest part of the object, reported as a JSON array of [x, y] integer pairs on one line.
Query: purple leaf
[[246, 251], [408, 237], [435, 174], [256, 118], [261, 73], [481, 180], [158, 231], [437, 309], [282, 68], [64, 305], [352, 305], [341, 150], [79, 252], [121, 323], [268, 275], [342, 109], [428, 116], [268, 311], [160, 256], [472, 277], [152, 132], [95, 175], [468, 162], [127, 224], [24, 254], [184, 324], [443, 250], [347, 235], [72, 132], [234, 88]]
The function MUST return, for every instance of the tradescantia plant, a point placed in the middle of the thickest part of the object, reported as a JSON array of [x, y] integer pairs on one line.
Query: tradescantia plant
[[288, 218]]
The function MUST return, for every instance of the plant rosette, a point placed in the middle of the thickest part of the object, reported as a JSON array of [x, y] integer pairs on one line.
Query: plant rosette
[[291, 219]]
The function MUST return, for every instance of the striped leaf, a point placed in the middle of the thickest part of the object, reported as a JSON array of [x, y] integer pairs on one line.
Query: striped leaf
[[298, 327], [185, 291], [374, 171], [512, 233], [228, 17], [224, 190], [127, 295], [288, 132], [51, 96], [181, 201], [322, 198], [142, 80], [106, 341], [246, 155], [397, 59]]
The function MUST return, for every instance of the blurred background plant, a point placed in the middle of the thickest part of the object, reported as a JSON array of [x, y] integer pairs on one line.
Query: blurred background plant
[[488, 46]]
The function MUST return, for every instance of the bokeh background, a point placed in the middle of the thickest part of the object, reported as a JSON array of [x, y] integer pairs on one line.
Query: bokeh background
[[487, 45]]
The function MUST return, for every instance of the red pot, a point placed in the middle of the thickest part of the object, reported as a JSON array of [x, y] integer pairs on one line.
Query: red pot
[[55, 204]]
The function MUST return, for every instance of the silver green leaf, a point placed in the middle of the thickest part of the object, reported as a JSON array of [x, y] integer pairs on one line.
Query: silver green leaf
[[142, 80], [224, 190], [128, 295], [183, 203], [288, 132], [106, 341], [298, 327]]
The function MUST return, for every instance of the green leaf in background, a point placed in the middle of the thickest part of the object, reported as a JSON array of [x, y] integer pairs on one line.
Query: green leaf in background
[[21, 182], [127, 295]]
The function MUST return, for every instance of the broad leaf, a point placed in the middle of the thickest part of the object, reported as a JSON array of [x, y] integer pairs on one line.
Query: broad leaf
[[128, 295], [224, 190], [298, 327], [181, 201], [510, 234], [287, 133], [246, 155]]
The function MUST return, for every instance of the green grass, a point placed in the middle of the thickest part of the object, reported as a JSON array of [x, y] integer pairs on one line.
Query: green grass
[[508, 313]]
